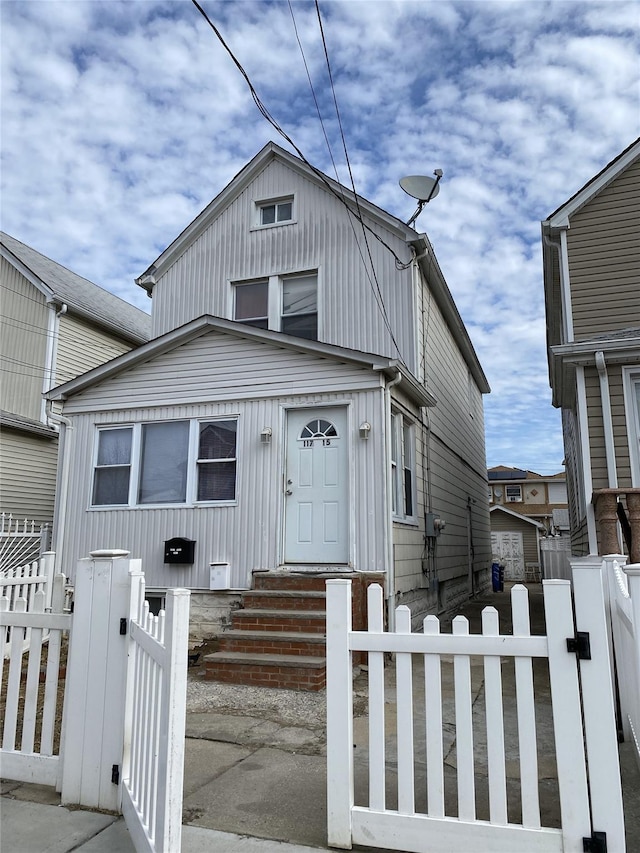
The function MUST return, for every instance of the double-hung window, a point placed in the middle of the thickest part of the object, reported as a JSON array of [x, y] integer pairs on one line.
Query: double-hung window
[[286, 304], [403, 467], [171, 462], [276, 212]]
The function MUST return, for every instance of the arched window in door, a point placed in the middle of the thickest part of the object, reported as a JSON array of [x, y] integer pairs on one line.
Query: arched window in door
[[319, 428]]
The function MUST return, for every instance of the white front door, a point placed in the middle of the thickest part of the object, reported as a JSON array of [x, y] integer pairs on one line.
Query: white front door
[[508, 546], [316, 490]]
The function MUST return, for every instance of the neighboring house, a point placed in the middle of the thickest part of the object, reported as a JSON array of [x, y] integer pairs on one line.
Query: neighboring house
[[524, 507], [591, 255], [295, 409], [55, 325], [542, 498]]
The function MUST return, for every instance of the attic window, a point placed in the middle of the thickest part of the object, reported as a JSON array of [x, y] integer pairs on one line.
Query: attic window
[[275, 212]]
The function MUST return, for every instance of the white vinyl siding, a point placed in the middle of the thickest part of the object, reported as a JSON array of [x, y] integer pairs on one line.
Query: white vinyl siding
[[321, 238], [81, 347]]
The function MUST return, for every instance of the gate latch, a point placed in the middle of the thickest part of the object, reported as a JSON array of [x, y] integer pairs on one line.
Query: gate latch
[[115, 776], [596, 844], [580, 645], [123, 628]]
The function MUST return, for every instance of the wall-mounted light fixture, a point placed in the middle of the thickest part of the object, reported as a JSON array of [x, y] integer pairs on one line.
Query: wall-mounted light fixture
[[265, 435], [365, 429]]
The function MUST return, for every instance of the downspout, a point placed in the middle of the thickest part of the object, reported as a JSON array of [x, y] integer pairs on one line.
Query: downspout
[[62, 484], [585, 453], [605, 398], [55, 312], [391, 569]]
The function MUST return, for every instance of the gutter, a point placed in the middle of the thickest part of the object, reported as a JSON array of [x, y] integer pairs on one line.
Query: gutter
[[391, 569]]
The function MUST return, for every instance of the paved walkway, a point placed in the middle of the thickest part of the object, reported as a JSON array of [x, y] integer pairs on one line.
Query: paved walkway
[[255, 772]]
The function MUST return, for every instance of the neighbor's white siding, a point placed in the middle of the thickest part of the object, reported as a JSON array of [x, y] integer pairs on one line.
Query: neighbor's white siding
[[324, 237], [22, 343], [82, 346], [28, 481]]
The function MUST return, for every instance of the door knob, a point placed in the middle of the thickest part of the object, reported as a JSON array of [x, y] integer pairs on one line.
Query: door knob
[[289, 492]]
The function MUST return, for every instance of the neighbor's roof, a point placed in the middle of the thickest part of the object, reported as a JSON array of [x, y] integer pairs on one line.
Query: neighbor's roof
[[82, 297], [504, 472]]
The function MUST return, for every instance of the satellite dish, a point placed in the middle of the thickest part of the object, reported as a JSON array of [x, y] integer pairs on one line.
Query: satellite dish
[[423, 188], [420, 186]]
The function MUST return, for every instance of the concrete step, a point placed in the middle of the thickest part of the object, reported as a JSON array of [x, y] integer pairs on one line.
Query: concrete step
[[283, 599], [298, 621], [273, 642], [285, 671]]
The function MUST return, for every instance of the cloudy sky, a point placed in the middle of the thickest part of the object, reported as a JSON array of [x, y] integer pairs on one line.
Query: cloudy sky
[[122, 120]]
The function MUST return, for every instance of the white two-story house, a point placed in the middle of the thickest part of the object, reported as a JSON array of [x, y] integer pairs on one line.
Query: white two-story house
[[309, 402]]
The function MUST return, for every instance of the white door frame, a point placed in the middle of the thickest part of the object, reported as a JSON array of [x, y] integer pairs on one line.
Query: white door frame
[[345, 406]]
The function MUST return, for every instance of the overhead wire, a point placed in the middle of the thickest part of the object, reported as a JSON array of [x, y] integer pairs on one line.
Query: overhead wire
[[377, 293], [272, 121]]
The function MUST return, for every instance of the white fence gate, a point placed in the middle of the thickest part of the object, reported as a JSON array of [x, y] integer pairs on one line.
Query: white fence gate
[[122, 738], [588, 806], [21, 541]]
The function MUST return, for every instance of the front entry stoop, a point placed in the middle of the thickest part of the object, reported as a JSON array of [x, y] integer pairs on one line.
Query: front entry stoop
[[277, 636]]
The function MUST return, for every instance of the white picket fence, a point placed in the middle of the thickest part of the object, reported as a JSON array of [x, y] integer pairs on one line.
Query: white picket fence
[[33, 758], [21, 541], [122, 738], [21, 583], [623, 586], [157, 692], [587, 805]]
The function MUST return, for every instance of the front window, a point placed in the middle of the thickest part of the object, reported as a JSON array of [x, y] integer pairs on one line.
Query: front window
[[163, 463], [300, 306], [402, 468], [173, 462], [252, 303], [631, 378], [513, 494], [113, 467], [217, 461], [286, 304]]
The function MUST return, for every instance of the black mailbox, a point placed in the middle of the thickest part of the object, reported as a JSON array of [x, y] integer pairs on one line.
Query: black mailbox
[[179, 550]]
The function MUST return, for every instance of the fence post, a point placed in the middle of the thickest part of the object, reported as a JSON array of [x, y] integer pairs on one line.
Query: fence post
[[633, 715], [47, 567], [93, 724], [598, 705], [340, 796]]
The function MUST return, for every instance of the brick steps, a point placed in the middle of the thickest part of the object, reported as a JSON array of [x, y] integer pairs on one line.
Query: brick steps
[[277, 636]]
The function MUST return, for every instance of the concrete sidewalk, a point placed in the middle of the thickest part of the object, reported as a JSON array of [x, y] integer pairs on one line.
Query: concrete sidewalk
[[255, 767]]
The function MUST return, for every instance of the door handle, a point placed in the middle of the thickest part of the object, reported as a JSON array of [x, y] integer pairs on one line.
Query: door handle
[[289, 492]]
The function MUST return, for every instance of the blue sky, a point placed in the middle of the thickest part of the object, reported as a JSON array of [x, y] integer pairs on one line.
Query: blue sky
[[122, 120]]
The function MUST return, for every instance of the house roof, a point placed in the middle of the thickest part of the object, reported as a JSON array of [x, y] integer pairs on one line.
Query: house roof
[[9, 420], [391, 368], [560, 217], [419, 242], [507, 511], [504, 472], [82, 297]]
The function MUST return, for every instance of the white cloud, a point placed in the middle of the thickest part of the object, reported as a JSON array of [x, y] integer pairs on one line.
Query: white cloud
[[121, 120]]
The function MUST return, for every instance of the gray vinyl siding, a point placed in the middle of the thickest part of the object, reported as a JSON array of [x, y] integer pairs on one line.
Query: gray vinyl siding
[[503, 522], [218, 366], [323, 237], [28, 482], [244, 535], [456, 450], [220, 375], [82, 346], [604, 258], [22, 343], [580, 540]]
